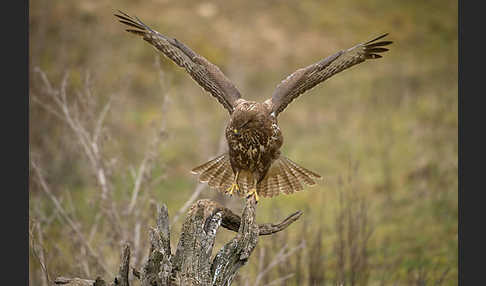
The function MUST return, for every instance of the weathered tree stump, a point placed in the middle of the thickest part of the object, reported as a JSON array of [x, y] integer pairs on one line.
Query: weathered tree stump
[[191, 264]]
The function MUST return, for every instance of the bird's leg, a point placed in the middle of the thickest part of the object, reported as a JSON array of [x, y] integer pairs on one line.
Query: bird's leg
[[234, 186], [253, 191]]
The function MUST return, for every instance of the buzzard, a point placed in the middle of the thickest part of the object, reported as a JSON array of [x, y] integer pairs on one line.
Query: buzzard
[[253, 164]]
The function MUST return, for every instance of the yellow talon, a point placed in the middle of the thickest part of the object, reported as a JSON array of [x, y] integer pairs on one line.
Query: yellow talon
[[232, 188], [254, 192]]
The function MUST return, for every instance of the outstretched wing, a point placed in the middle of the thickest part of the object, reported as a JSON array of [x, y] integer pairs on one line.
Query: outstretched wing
[[206, 74], [306, 78]]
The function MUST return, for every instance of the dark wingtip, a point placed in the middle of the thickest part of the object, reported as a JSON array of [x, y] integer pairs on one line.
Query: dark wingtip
[[373, 56], [123, 13], [137, 32], [378, 50], [126, 19], [117, 13], [382, 36], [377, 38], [373, 47]]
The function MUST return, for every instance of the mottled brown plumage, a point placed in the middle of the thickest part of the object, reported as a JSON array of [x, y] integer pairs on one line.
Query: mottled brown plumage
[[253, 164]]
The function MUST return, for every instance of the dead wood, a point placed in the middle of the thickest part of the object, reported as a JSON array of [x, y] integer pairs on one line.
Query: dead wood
[[191, 264]]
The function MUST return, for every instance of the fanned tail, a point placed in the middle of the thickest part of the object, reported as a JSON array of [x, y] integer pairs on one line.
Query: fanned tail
[[216, 172], [285, 176], [246, 182]]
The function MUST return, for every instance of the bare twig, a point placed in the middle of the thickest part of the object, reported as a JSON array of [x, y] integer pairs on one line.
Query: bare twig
[[101, 119], [149, 158], [442, 276], [138, 183], [47, 107], [66, 217], [38, 251], [94, 227], [201, 186], [89, 145], [232, 221], [73, 281], [88, 140], [195, 194], [85, 263], [281, 256], [280, 280]]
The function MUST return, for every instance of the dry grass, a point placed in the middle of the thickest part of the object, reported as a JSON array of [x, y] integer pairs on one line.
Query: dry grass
[[383, 135]]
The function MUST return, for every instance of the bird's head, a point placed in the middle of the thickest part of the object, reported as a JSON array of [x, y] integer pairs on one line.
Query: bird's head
[[246, 115]]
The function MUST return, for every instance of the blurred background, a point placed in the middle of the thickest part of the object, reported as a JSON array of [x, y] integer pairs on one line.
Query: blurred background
[[115, 129]]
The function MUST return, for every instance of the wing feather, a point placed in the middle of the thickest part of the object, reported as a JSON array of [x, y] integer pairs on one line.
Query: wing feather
[[206, 74], [306, 78]]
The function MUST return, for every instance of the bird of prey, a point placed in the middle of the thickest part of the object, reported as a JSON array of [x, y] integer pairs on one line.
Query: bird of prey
[[254, 165]]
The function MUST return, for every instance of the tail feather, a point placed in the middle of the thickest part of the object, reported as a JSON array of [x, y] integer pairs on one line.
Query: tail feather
[[284, 183], [279, 184], [301, 172], [223, 177], [216, 172], [285, 176], [292, 179], [226, 178], [245, 182], [268, 187], [206, 166], [212, 174]]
